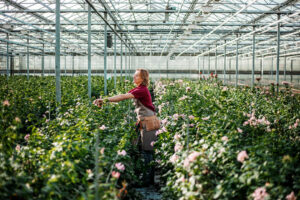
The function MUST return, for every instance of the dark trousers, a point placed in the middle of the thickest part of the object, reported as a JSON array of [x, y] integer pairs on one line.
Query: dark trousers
[[148, 177]]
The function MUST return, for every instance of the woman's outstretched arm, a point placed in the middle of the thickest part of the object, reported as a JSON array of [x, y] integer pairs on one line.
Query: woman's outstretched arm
[[120, 97], [116, 98]]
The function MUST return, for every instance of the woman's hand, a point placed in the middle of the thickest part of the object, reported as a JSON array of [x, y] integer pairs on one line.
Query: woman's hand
[[98, 102]]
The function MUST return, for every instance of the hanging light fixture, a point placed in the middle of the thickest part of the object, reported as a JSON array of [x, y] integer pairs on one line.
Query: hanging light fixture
[[193, 26], [23, 32], [199, 18], [8, 26], [188, 32], [207, 9]]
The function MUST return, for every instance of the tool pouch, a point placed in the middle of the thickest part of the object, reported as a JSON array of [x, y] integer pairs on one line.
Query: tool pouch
[[150, 123]]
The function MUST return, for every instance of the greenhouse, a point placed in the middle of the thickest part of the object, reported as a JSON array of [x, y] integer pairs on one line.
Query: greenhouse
[[150, 100]]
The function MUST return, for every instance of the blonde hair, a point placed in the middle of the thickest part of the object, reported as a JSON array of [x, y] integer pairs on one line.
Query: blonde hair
[[144, 75]]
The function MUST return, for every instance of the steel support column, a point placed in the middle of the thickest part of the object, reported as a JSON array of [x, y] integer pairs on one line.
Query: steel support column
[[105, 56], [65, 58], [292, 70], [128, 67], [272, 63], [224, 73], [237, 62], [229, 69], [278, 54], [73, 63], [167, 67], [89, 52], [284, 72], [203, 65], [121, 57], [43, 58], [208, 62], [115, 59], [216, 60], [27, 61], [57, 52], [125, 61], [261, 67], [7, 56], [198, 67], [253, 57]]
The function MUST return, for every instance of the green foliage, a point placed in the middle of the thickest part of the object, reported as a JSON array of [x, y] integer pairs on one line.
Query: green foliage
[[226, 121], [49, 152]]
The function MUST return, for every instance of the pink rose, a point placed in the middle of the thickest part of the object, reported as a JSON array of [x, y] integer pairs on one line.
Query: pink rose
[[224, 138], [242, 156], [191, 117], [18, 147], [103, 127], [158, 132], [164, 121], [182, 98], [186, 162], [291, 196], [27, 137], [182, 179], [245, 123], [174, 158], [102, 150], [260, 194], [6, 103], [239, 130], [152, 143], [178, 147], [115, 174], [177, 137], [122, 153], [120, 166], [175, 116], [206, 118], [193, 156]]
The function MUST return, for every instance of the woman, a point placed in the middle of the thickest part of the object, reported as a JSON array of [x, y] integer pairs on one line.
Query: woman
[[148, 123]]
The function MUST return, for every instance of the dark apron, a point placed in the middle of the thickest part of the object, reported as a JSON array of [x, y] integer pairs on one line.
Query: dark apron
[[146, 136]]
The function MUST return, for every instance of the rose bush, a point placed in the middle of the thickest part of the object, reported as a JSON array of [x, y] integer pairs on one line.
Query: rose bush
[[238, 142], [49, 153]]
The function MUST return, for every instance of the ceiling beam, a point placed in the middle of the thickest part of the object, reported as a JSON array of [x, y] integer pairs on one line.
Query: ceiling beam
[[251, 12], [152, 24], [162, 31]]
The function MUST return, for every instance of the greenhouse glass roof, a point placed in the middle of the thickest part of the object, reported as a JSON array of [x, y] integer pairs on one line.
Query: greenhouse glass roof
[[152, 27]]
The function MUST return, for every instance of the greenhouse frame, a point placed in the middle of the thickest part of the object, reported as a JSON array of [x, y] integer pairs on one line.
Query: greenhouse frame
[[171, 37], [224, 92]]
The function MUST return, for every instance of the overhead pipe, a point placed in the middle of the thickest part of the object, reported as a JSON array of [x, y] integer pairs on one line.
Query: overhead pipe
[[113, 18], [75, 24], [228, 19], [257, 30], [105, 20]]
